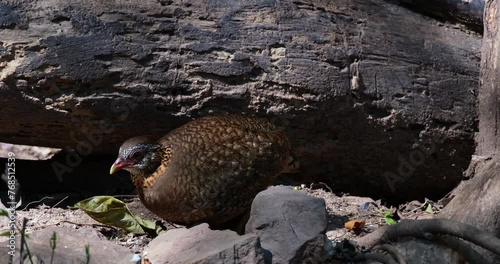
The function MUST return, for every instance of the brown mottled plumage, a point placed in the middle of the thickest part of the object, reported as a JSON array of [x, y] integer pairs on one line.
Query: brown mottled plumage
[[208, 170]]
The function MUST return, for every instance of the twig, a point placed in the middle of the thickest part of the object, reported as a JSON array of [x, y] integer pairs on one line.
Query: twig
[[60, 201], [87, 224], [125, 196], [418, 208], [322, 184], [66, 221], [46, 197]]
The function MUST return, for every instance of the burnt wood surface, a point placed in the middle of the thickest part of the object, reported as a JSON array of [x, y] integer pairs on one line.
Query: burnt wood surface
[[364, 88]]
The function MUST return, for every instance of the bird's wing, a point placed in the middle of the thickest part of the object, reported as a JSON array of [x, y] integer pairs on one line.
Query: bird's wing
[[221, 142]]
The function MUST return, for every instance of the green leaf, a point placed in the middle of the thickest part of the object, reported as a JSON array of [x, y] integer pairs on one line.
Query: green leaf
[[5, 233], [385, 213], [390, 221], [4, 212], [111, 211], [53, 241], [87, 253], [429, 209]]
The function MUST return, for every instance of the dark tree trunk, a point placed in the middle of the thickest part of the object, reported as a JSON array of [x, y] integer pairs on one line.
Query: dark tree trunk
[[467, 12], [477, 202]]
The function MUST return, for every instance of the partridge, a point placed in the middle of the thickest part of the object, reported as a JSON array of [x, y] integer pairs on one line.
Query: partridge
[[208, 170]]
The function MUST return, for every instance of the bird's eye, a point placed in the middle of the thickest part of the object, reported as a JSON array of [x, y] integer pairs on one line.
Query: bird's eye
[[136, 155]]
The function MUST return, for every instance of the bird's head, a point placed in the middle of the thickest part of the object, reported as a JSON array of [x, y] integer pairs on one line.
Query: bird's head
[[140, 156]]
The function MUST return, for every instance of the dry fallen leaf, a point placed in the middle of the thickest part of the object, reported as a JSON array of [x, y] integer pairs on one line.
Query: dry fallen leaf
[[355, 224]]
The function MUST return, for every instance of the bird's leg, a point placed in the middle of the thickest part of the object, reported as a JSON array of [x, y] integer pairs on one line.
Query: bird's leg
[[292, 165], [236, 224]]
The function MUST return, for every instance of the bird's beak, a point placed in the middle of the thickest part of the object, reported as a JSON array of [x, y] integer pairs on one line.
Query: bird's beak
[[118, 165]]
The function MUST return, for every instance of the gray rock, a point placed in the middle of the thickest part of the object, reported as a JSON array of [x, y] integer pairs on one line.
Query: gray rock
[[291, 225], [200, 244], [70, 247]]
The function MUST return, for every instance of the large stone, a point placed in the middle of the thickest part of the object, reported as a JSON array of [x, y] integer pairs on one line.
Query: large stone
[[70, 247], [291, 225], [200, 244]]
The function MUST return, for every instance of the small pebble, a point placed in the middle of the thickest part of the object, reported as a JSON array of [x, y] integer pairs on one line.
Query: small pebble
[[136, 258]]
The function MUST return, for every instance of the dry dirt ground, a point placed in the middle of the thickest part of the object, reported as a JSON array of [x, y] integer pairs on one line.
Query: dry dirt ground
[[340, 209]]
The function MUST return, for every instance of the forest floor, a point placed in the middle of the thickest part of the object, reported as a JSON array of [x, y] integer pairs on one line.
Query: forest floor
[[340, 209], [52, 210]]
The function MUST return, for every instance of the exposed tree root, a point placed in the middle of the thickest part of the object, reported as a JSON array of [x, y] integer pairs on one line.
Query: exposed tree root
[[429, 227], [393, 251], [463, 249], [374, 258]]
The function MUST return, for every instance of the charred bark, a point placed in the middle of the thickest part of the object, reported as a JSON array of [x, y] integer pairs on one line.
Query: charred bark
[[375, 98]]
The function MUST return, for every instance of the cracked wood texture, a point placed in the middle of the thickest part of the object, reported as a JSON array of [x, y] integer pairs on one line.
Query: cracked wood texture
[[477, 201], [364, 88]]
